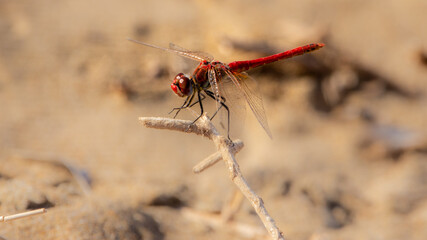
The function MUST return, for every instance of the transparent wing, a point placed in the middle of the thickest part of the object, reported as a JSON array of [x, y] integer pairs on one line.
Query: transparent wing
[[247, 86], [198, 56], [235, 100], [213, 81], [224, 91]]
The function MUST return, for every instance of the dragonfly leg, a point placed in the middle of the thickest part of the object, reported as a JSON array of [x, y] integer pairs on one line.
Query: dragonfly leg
[[199, 94], [222, 102], [180, 108], [202, 97], [186, 104]]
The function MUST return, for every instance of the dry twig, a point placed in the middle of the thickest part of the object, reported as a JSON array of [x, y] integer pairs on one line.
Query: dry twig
[[226, 151], [22, 215], [216, 157]]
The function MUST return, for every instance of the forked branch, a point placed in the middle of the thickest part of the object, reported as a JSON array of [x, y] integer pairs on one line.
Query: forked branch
[[226, 151]]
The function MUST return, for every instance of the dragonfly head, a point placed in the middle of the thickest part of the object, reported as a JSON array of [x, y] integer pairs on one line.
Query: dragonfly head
[[181, 85]]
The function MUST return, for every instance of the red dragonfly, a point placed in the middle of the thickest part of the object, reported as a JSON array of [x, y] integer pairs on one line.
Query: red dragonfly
[[226, 81]]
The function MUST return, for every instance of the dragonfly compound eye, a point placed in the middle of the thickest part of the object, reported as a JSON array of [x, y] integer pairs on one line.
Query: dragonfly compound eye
[[182, 85]]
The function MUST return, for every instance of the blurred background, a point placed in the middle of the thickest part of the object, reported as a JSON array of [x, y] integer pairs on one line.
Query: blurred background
[[348, 159]]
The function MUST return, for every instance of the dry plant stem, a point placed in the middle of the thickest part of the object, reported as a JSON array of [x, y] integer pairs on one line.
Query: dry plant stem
[[216, 157], [237, 177], [174, 124], [22, 215], [204, 127]]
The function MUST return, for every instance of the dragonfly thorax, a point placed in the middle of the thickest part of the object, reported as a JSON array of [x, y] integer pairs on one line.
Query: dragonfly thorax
[[182, 85]]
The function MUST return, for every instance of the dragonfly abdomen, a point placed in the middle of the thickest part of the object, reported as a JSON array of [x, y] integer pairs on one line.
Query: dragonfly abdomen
[[241, 66]]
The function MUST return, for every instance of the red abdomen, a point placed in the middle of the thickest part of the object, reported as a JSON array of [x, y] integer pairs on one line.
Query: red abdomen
[[241, 66]]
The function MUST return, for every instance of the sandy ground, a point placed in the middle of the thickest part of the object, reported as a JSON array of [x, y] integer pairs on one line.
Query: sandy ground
[[348, 159]]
